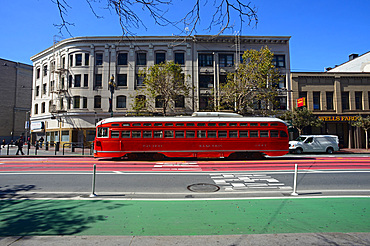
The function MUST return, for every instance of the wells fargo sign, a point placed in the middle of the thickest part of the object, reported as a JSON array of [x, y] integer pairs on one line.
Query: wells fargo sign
[[343, 118]]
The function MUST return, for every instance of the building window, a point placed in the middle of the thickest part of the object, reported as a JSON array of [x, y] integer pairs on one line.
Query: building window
[[329, 100], [78, 80], [70, 80], [358, 100], [121, 102], [76, 102], [45, 70], [205, 81], [63, 62], [140, 80], [180, 58], [43, 107], [37, 73], [141, 59], [278, 61], [87, 59], [37, 92], [205, 60], [86, 80], [160, 58], [43, 89], [281, 103], [226, 60], [122, 80], [78, 59], [68, 102], [98, 80], [97, 101], [36, 110], [84, 102], [345, 100], [99, 59], [180, 101], [316, 100], [159, 101], [122, 59]]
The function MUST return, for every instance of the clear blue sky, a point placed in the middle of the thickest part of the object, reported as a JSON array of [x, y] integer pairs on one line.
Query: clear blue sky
[[323, 32]]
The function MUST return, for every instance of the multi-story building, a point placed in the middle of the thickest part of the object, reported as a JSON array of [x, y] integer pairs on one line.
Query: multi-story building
[[15, 99], [337, 96], [70, 84]]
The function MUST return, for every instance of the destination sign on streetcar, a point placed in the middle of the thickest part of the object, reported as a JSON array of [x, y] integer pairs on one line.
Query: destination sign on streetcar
[[203, 135]]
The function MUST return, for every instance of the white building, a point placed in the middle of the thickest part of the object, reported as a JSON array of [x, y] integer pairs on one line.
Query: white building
[[70, 84]]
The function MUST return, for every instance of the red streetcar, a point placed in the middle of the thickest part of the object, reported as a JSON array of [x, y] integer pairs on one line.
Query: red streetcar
[[203, 135]]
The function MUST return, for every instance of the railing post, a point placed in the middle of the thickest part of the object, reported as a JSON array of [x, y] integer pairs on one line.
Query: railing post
[[295, 181], [7, 151], [93, 183]]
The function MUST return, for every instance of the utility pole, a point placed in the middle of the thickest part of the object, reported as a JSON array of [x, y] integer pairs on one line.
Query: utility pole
[[112, 86]]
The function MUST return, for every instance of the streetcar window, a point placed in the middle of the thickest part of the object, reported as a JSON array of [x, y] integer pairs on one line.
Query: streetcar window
[[168, 134], [264, 134], [125, 134], [114, 134], [190, 124], [102, 132], [274, 124], [211, 124], [115, 125], [244, 134], [180, 124], [212, 134], [233, 124], [126, 124], [158, 134], [222, 134], [201, 134], [283, 134], [254, 134], [179, 134], [222, 124], [201, 124], [254, 124], [168, 124], [157, 124], [243, 124], [233, 134], [147, 124], [264, 124], [190, 134], [136, 134], [147, 134], [136, 124], [274, 134]]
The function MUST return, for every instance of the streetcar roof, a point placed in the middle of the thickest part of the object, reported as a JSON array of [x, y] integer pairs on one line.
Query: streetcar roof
[[188, 119]]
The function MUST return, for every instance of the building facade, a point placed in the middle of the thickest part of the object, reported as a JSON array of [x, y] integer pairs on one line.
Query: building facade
[[70, 83], [338, 97], [15, 99]]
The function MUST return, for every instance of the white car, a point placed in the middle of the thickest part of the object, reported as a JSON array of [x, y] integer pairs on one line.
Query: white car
[[314, 143]]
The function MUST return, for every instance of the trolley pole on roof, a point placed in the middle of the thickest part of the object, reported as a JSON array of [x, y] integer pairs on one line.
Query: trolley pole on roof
[[112, 85]]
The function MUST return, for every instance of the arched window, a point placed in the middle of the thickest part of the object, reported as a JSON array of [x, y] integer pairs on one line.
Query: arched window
[[159, 101], [121, 102]]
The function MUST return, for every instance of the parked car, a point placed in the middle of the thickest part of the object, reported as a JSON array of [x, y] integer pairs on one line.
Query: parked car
[[314, 143]]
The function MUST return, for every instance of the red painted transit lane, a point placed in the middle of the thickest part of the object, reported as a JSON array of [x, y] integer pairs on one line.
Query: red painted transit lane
[[86, 164]]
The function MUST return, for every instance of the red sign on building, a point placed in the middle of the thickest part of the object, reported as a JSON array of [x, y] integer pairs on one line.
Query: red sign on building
[[301, 102]]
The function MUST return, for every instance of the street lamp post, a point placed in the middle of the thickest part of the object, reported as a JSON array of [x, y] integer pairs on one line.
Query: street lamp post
[[112, 86]]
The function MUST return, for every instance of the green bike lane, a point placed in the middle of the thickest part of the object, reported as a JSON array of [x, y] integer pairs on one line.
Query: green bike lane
[[183, 217]]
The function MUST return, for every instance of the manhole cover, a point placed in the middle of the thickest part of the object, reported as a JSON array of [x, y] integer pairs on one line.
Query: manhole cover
[[203, 187]]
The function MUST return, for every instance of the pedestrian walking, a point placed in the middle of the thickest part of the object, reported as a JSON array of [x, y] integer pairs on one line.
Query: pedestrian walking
[[3, 143], [20, 146]]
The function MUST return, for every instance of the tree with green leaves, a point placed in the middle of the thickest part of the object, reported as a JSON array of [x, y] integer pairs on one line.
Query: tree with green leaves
[[252, 88], [301, 117], [364, 123], [165, 83]]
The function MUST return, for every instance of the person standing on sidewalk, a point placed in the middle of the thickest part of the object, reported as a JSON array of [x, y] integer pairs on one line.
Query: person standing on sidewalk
[[20, 146]]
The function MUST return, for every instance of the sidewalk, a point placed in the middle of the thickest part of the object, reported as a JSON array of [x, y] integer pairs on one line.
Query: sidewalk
[[284, 221]]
